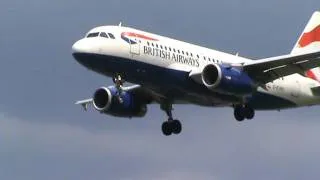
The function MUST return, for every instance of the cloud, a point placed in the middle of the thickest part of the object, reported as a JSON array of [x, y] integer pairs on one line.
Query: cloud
[[220, 149], [59, 138], [44, 136]]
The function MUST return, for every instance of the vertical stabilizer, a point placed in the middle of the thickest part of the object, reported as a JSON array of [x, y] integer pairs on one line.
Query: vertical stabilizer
[[309, 41], [310, 38]]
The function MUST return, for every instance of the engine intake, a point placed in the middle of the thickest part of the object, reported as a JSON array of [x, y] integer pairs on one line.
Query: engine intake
[[102, 99], [211, 76], [227, 80], [106, 100]]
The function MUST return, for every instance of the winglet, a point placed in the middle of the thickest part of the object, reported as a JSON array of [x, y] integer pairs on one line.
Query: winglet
[[85, 107]]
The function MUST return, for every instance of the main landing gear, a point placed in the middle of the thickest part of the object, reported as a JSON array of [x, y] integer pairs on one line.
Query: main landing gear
[[171, 126], [242, 112]]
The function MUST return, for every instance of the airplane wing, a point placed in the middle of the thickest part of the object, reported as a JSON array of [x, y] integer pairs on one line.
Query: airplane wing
[[144, 94], [85, 103], [267, 70]]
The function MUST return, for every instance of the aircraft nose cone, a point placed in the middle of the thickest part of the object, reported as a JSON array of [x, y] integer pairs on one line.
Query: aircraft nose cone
[[79, 50], [78, 47]]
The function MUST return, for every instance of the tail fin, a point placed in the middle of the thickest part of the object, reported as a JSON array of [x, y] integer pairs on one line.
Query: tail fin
[[310, 38], [309, 41]]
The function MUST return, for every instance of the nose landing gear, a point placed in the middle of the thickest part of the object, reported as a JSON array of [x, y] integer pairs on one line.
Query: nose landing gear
[[118, 82]]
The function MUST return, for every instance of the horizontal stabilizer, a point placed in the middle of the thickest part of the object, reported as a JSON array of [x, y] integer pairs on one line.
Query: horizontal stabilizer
[[316, 91]]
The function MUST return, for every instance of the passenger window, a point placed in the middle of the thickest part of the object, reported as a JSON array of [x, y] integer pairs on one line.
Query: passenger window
[[148, 43], [174, 50], [178, 51], [161, 46], [103, 34], [111, 36], [169, 48], [152, 44], [182, 52], [96, 34], [191, 54], [157, 46], [187, 53], [165, 47]]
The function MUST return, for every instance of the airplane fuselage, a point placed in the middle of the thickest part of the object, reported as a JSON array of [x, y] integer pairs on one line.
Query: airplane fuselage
[[165, 65]]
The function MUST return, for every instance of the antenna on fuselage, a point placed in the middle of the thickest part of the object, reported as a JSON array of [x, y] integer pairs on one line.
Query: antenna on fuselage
[[237, 54], [120, 24]]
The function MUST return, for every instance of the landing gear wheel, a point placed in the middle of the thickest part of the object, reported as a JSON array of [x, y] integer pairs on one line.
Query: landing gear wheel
[[239, 114], [249, 113], [170, 126], [176, 127], [118, 79], [166, 128], [243, 112]]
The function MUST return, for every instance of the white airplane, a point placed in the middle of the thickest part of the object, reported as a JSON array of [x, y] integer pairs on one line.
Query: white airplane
[[167, 71]]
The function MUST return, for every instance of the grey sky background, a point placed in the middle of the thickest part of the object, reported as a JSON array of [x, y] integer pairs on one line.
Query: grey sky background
[[43, 135]]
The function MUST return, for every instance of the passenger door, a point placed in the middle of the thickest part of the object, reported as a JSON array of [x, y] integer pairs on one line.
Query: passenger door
[[135, 46]]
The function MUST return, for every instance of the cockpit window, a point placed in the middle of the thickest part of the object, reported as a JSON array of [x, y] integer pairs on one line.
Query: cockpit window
[[95, 34], [103, 34], [111, 36]]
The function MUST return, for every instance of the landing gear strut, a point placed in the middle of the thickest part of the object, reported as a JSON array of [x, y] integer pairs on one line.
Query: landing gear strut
[[170, 126], [118, 81], [242, 112]]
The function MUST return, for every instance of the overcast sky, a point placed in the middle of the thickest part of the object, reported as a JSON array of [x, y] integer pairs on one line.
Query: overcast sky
[[43, 135]]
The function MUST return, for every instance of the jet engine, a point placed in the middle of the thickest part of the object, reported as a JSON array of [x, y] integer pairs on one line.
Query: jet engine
[[108, 100], [227, 80]]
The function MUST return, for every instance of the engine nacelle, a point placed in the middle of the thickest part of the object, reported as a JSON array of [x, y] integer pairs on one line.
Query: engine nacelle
[[106, 101], [227, 80]]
